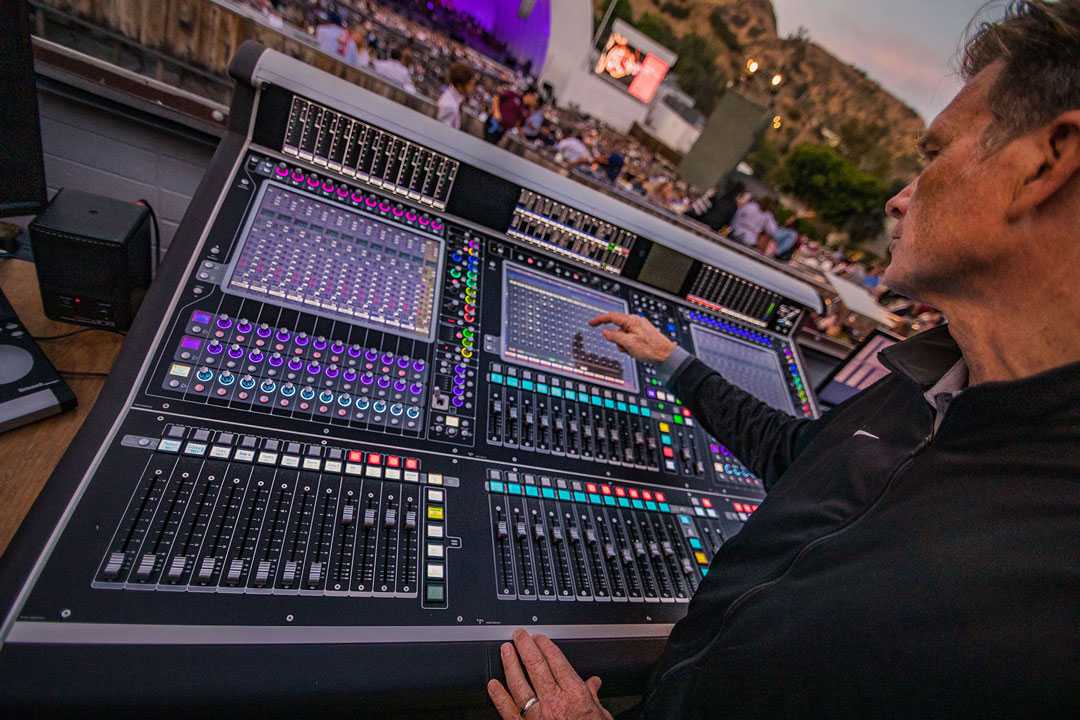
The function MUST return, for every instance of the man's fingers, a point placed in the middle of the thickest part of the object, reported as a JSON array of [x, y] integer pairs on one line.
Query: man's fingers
[[561, 668], [502, 701], [515, 676], [593, 684], [615, 318], [539, 673]]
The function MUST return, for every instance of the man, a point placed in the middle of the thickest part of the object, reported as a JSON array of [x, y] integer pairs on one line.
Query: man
[[461, 82], [508, 111], [335, 39], [396, 68], [918, 554], [754, 219]]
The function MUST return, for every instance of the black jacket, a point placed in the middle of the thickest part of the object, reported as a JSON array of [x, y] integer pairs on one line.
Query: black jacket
[[891, 572]]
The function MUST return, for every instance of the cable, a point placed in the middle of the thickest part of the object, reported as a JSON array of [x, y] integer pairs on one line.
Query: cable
[[157, 236], [43, 338], [81, 373]]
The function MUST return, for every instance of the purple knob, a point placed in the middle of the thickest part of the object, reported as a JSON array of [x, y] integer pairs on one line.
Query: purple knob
[[384, 381], [418, 365], [214, 347], [320, 343], [371, 201], [235, 351], [367, 378], [400, 385], [337, 347], [255, 355], [403, 363], [327, 186], [349, 375], [295, 363], [459, 369], [276, 360], [297, 176], [357, 197], [332, 371], [387, 358], [301, 339], [459, 380], [313, 181], [425, 220], [263, 331], [283, 334], [313, 367], [343, 192], [456, 401], [281, 171], [354, 351], [371, 355], [243, 326], [384, 206], [224, 322], [398, 212], [410, 216], [436, 226], [458, 390], [416, 388]]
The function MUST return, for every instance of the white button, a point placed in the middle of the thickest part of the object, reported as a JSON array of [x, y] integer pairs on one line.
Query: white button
[[393, 474], [435, 571], [372, 471], [434, 478], [435, 551], [435, 495], [452, 421], [351, 468], [434, 531], [169, 446], [332, 466], [412, 476], [290, 461], [220, 451], [311, 463], [268, 458], [244, 455]]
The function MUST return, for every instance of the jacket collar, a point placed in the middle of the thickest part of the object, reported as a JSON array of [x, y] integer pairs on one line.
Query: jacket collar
[[924, 358]]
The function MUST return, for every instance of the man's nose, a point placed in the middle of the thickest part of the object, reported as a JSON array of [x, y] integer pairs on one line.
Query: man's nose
[[897, 206]]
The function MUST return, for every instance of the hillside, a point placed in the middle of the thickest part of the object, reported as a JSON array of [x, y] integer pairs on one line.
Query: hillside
[[822, 98]]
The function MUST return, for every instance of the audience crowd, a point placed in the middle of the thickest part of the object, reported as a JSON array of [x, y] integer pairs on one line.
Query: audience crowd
[[430, 49]]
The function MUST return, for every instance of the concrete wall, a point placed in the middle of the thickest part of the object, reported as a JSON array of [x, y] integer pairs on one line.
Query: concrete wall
[[671, 128], [98, 150]]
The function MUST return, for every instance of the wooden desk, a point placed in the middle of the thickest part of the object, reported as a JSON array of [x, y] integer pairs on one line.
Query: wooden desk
[[29, 454]]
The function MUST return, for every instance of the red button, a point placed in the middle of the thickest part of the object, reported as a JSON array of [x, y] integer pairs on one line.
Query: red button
[[411, 463], [633, 493], [374, 459], [356, 456], [647, 495], [738, 507], [393, 461], [590, 487], [605, 489], [706, 502], [620, 492], [660, 497], [669, 453], [685, 412]]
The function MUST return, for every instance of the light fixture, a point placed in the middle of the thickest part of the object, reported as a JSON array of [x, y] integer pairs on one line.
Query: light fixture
[[777, 122], [752, 66], [777, 79]]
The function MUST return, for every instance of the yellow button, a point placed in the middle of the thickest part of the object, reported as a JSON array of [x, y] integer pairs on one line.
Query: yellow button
[[435, 512], [664, 427], [700, 557]]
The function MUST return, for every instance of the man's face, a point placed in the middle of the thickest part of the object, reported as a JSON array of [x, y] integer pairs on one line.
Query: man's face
[[952, 224]]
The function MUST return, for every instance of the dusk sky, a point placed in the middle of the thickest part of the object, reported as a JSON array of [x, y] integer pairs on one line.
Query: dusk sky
[[908, 46]]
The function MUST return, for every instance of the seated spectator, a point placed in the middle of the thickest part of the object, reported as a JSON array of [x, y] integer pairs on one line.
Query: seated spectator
[[534, 123], [335, 39], [461, 82], [717, 211], [754, 219], [396, 68], [573, 151]]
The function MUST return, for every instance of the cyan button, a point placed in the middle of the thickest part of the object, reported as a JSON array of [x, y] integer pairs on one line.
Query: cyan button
[[542, 388], [526, 384], [664, 507], [596, 400], [513, 488], [580, 497], [532, 491], [623, 502], [497, 378], [646, 412], [608, 500], [609, 404], [495, 486], [564, 495], [621, 406], [637, 504], [512, 381], [685, 519], [650, 505], [557, 392], [634, 410], [666, 439], [548, 493], [595, 499], [695, 543]]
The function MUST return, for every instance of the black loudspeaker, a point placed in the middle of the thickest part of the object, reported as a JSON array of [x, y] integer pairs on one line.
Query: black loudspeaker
[[94, 259], [728, 135]]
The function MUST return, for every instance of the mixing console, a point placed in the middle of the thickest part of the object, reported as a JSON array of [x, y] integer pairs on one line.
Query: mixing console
[[363, 411]]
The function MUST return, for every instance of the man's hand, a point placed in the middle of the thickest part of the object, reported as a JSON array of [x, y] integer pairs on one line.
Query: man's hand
[[559, 692], [636, 337]]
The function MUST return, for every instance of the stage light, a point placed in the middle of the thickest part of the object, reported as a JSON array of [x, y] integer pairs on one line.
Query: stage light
[[752, 66], [777, 79], [777, 122]]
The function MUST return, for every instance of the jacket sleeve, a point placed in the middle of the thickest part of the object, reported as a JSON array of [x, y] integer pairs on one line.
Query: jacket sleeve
[[766, 440]]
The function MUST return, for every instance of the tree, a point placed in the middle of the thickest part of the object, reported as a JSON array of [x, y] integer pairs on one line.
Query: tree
[[658, 29], [722, 31], [697, 72], [765, 159], [843, 195]]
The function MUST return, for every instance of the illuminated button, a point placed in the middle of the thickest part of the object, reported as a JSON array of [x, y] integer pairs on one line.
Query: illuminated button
[[412, 464], [247, 382], [326, 396], [307, 393], [664, 427], [396, 409], [226, 378], [288, 390], [362, 403], [379, 406], [700, 557], [205, 374], [413, 412], [435, 512], [268, 386], [344, 400]]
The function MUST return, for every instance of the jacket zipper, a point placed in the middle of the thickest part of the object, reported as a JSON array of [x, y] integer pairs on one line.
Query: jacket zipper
[[751, 592]]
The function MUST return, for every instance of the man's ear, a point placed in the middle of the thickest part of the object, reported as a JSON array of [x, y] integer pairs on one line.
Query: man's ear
[[1057, 152]]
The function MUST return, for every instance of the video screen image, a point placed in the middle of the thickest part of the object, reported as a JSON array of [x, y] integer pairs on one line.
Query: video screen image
[[756, 370], [546, 326], [326, 259]]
